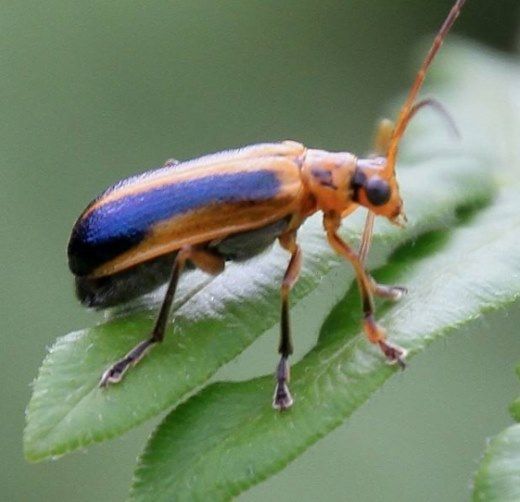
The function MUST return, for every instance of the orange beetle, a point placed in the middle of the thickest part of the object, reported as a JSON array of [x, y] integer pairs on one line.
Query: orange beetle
[[144, 230]]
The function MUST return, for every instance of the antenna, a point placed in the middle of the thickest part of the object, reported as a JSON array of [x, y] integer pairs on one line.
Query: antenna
[[409, 108]]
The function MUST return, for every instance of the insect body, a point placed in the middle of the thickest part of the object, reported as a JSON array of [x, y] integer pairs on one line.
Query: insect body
[[143, 231]]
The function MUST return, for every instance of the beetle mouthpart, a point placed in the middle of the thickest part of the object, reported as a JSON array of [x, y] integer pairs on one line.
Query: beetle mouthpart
[[400, 220]]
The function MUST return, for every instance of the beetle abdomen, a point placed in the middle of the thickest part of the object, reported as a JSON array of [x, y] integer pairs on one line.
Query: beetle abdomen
[[112, 290], [245, 245]]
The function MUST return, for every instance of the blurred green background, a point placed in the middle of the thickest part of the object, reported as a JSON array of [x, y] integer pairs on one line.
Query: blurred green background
[[92, 91]]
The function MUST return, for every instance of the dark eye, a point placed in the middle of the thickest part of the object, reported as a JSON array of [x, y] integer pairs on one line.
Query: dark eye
[[378, 191]]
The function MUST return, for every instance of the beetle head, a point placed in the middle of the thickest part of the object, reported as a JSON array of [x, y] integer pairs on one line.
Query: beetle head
[[374, 182], [376, 188]]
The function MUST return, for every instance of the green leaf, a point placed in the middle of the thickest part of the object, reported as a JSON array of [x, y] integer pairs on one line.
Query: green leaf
[[218, 318], [515, 405], [215, 320], [498, 477], [227, 438]]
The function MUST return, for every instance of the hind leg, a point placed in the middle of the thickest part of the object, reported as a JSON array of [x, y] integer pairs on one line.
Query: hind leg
[[201, 258]]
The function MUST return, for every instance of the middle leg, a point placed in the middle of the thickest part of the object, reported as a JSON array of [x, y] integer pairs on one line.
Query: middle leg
[[282, 397], [393, 293]]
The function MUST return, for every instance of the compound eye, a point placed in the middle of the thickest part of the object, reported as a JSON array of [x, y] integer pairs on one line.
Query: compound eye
[[378, 191]]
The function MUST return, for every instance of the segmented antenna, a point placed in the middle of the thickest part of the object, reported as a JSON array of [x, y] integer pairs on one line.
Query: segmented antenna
[[410, 107]]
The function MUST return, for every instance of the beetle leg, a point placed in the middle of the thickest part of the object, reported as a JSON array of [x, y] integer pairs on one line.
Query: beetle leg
[[171, 163], [383, 136], [366, 238], [393, 293], [373, 331], [201, 258], [207, 260], [282, 397], [382, 140]]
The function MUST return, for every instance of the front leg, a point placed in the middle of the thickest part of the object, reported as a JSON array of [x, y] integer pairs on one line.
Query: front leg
[[393, 293], [366, 284], [382, 140]]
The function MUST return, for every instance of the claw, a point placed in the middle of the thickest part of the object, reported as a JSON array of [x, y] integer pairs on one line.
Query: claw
[[394, 354], [282, 399], [114, 374], [397, 292], [393, 293]]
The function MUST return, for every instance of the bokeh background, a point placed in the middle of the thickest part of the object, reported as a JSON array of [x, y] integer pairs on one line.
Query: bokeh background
[[92, 91]]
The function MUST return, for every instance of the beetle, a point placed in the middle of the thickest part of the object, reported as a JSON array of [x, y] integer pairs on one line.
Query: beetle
[[145, 230]]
